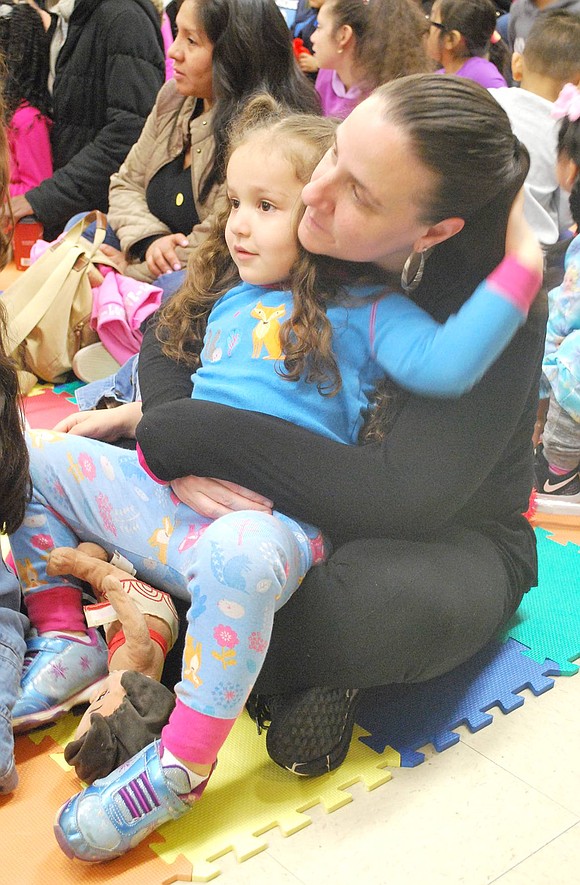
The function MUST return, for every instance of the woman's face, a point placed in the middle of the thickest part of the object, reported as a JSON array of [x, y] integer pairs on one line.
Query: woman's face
[[365, 197], [192, 53]]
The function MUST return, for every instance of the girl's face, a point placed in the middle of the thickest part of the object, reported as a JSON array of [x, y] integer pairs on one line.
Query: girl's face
[[325, 44], [264, 194], [365, 197], [434, 33], [192, 53]]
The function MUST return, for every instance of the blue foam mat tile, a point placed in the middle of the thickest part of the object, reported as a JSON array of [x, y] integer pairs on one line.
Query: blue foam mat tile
[[408, 717]]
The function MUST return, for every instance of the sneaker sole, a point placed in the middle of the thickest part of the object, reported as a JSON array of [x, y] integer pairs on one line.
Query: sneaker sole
[[45, 717]]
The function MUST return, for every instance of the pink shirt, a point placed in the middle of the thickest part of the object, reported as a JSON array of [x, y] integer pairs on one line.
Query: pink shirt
[[335, 98], [30, 151]]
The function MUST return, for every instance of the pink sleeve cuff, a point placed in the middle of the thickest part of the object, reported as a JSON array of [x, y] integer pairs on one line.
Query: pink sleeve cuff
[[516, 283], [143, 463]]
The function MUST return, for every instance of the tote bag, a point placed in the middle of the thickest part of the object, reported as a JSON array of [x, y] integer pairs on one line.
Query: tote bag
[[49, 307]]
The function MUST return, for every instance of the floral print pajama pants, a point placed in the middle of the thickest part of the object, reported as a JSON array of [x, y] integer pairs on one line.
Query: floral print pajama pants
[[235, 571]]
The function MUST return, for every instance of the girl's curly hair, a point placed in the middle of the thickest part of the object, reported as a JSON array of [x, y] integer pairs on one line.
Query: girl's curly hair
[[306, 337], [24, 46]]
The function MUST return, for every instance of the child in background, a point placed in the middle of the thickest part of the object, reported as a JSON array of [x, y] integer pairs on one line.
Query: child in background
[[305, 23], [558, 458], [14, 490], [24, 47], [551, 59], [359, 45], [14, 487], [463, 40], [278, 325]]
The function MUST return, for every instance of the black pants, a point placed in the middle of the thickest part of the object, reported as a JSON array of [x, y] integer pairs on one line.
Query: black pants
[[393, 612]]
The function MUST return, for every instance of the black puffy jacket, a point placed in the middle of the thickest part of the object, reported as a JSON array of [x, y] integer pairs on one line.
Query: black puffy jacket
[[108, 73]]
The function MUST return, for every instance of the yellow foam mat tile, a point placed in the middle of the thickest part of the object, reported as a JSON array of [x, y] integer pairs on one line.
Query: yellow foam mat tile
[[248, 795]]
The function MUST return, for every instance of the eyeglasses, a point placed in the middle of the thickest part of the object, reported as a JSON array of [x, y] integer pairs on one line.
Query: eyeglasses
[[433, 24]]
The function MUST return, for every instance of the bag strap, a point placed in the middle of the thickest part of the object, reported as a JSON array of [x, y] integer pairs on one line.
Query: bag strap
[[21, 323], [24, 315]]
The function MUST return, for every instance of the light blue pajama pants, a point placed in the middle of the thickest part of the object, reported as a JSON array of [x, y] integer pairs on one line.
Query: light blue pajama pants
[[235, 571]]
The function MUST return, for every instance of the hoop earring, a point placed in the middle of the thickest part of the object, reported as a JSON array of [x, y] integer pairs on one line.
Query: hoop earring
[[409, 285]]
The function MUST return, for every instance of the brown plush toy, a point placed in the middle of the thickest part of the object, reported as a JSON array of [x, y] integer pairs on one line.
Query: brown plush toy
[[132, 707], [123, 719], [141, 622]]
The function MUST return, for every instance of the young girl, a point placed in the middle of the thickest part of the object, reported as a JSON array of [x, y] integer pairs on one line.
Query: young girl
[[306, 356], [24, 47], [463, 40], [558, 457], [358, 45]]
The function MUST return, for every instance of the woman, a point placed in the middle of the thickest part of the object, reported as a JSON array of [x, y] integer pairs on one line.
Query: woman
[[452, 554], [158, 209], [426, 522]]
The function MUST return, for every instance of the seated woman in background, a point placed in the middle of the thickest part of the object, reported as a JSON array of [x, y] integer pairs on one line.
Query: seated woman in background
[[163, 197], [463, 40]]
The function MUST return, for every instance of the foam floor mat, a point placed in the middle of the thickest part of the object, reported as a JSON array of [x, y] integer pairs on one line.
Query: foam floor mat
[[248, 795]]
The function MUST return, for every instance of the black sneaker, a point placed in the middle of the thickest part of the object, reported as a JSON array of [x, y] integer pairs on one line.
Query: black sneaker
[[554, 484], [309, 732]]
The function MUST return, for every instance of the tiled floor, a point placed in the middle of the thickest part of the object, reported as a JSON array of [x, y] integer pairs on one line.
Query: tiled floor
[[503, 806]]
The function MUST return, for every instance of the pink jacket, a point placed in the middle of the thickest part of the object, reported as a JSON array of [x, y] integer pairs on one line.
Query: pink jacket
[[30, 151], [120, 305]]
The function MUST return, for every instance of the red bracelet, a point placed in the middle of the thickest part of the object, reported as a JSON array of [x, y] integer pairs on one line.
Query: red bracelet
[[120, 639]]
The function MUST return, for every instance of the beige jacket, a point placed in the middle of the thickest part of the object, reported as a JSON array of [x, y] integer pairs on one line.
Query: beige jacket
[[163, 138]]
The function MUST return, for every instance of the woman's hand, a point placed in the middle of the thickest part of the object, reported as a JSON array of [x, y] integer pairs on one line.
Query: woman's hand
[[308, 63], [520, 240], [216, 497], [108, 425], [161, 256], [115, 255]]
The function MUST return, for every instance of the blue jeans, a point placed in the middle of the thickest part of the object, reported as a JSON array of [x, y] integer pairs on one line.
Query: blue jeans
[[13, 628]]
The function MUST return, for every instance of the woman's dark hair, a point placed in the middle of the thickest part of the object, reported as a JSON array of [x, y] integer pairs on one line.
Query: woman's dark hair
[[461, 133], [24, 45], [252, 52], [569, 145], [476, 21], [458, 131]]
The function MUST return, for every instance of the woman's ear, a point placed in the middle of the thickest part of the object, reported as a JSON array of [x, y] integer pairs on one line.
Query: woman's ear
[[438, 233]]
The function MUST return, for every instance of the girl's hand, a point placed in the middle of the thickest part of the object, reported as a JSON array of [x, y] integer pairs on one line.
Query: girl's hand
[[20, 207], [308, 63], [520, 240], [107, 425], [161, 256], [216, 497]]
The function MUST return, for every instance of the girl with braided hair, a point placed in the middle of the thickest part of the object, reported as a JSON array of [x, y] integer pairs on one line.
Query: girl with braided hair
[[24, 47]]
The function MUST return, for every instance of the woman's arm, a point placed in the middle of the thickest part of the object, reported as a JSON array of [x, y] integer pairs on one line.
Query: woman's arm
[[129, 214], [437, 464]]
